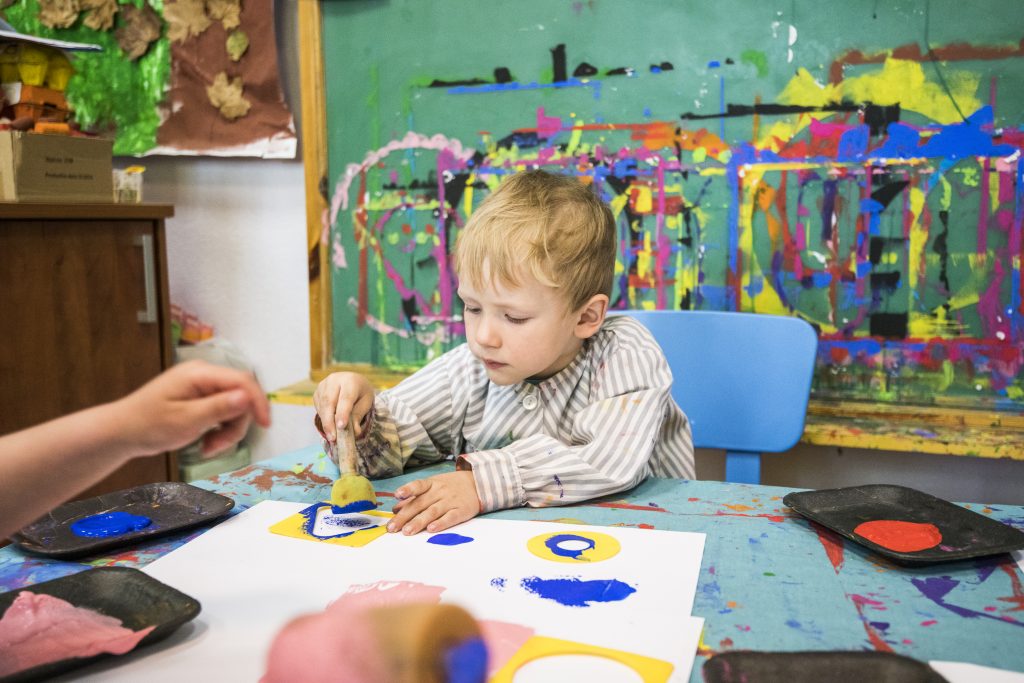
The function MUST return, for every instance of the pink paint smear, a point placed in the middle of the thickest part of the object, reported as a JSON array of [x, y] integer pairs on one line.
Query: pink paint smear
[[40, 629]]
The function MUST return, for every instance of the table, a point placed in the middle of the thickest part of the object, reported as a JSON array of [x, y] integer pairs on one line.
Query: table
[[770, 580]]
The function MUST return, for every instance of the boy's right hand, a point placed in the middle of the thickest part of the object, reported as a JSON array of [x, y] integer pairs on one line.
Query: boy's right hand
[[339, 397]]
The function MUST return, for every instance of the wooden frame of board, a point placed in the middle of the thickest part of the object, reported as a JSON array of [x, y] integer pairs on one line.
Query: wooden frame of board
[[833, 423]]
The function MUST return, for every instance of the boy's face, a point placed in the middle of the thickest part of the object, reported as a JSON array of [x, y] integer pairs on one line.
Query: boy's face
[[522, 332]]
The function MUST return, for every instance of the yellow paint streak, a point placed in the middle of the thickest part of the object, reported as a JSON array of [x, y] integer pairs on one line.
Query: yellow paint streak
[[918, 239], [644, 202], [898, 81]]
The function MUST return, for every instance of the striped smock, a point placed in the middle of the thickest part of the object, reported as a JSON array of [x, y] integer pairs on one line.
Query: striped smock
[[602, 424]]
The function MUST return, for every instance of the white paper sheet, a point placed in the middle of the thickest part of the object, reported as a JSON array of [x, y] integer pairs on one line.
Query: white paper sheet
[[251, 582], [962, 672], [1018, 555]]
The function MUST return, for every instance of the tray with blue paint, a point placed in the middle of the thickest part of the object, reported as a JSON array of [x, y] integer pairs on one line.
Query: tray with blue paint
[[112, 520]]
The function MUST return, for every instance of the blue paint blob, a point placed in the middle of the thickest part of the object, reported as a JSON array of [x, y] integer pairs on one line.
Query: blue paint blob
[[109, 524], [346, 527], [499, 583], [355, 506], [577, 592], [449, 539], [554, 545], [466, 662]]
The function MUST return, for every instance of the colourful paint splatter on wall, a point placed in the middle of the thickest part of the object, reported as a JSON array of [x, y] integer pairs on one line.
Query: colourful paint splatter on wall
[[878, 196]]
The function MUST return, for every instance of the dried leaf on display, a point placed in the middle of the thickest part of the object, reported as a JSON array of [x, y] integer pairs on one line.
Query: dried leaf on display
[[141, 27], [99, 13], [228, 12], [227, 96], [185, 18], [58, 13], [237, 44]]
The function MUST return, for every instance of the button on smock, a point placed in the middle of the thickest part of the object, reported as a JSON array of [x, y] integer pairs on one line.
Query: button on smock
[[530, 400]]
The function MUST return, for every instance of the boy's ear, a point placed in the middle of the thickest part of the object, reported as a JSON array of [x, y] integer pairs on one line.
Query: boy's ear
[[591, 315]]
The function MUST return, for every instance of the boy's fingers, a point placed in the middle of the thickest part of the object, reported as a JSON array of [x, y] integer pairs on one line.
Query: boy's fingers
[[413, 488], [447, 521]]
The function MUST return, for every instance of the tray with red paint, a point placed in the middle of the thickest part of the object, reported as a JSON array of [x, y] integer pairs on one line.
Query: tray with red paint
[[85, 527], [111, 594], [906, 525]]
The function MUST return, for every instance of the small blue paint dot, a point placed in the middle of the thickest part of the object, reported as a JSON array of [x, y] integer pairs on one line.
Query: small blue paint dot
[[449, 539]]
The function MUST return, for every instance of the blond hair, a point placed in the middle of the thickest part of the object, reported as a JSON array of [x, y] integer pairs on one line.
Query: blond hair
[[552, 225]]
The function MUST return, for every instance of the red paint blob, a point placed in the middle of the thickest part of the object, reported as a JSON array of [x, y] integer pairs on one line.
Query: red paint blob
[[903, 537]]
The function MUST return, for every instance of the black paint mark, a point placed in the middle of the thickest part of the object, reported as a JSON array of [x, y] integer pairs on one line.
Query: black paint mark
[[878, 117], [886, 193], [558, 63], [889, 325], [885, 281], [437, 83], [620, 71], [585, 70], [768, 109], [502, 75]]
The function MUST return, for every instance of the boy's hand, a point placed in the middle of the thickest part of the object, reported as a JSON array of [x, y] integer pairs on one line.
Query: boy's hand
[[339, 397], [435, 503]]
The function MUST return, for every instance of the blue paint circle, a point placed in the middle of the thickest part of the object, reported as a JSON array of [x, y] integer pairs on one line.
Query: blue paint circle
[[448, 539], [109, 524], [554, 545]]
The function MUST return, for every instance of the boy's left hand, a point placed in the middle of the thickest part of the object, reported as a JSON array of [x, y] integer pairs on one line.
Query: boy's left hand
[[435, 503]]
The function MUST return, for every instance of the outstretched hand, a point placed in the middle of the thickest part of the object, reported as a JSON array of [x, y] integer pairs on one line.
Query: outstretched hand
[[435, 503], [189, 401]]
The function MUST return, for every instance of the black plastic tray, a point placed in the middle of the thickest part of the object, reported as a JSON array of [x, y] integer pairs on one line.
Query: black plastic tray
[[965, 534], [814, 667], [171, 505], [136, 598]]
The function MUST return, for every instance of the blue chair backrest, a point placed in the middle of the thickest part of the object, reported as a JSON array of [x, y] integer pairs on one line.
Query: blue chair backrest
[[743, 379]]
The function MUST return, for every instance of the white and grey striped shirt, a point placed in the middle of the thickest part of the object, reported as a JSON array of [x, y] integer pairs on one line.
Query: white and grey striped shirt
[[602, 424]]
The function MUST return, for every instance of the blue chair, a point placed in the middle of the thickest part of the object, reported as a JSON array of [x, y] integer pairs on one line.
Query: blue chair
[[743, 379]]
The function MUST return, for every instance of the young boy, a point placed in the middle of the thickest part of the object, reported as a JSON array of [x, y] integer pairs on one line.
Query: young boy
[[547, 402]]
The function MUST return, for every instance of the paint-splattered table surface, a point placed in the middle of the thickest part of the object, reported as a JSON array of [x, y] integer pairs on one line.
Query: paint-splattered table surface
[[769, 579]]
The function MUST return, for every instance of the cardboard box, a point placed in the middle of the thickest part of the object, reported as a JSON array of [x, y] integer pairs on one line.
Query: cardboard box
[[55, 168]]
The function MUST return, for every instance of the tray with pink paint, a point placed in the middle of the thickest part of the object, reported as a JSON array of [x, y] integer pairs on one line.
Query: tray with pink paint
[[83, 618], [86, 527], [906, 525]]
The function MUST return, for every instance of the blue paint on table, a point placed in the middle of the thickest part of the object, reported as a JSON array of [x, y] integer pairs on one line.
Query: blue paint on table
[[769, 580]]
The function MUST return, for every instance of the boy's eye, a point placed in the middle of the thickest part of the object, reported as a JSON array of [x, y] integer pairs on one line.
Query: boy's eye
[[515, 321], [473, 310]]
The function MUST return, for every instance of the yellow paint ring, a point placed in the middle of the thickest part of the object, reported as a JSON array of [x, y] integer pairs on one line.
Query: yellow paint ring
[[574, 547]]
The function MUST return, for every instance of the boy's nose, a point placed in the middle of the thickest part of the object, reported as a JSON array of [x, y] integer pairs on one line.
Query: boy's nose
[[487, 335]]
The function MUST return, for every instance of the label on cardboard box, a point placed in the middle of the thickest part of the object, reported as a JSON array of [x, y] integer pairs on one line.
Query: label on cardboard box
[[35, 167]]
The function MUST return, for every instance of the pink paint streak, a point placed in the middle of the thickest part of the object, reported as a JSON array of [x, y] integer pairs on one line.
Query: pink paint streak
[[40, 629], [503, 640], [874, 638], [386, 594]]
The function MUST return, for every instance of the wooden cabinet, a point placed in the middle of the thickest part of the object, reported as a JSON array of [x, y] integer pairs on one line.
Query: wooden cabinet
[[84, 314]]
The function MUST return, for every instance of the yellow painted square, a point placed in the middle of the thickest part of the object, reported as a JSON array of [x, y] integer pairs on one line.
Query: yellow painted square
[[293, 527]]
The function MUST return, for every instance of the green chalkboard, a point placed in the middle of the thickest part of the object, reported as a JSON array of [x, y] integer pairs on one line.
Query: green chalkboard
[[855, 164]]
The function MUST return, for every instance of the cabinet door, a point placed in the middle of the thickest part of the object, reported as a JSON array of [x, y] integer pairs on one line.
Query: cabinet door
[[71, 293]]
